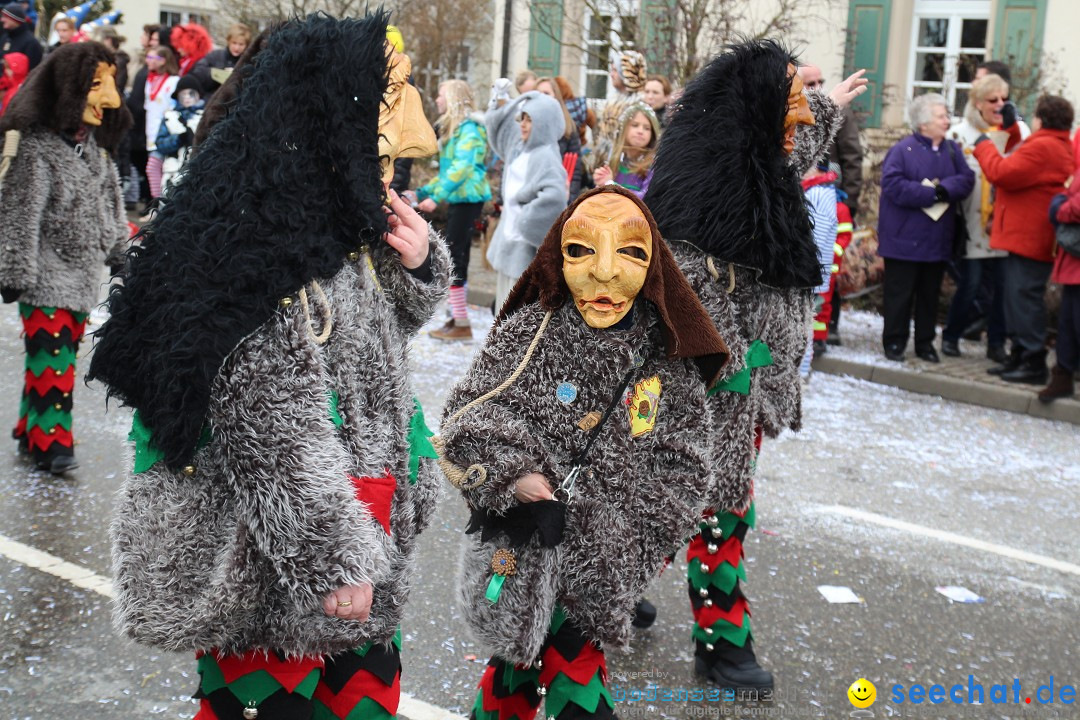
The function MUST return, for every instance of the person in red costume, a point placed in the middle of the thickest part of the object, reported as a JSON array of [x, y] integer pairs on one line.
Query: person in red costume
[[192, 43], [16, 68]]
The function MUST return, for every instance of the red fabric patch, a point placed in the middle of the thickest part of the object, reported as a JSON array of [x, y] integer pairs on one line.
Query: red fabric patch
[[42, 440], [361, 685], [64, 382], [705, 617], [581, 669], [378, 494], [61, 319], [757, 438], [513, 705], [289, 673], [205, 711], [729, 551]]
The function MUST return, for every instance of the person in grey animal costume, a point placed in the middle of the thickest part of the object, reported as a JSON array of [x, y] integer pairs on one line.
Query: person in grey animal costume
[[607, 409], [744, 241], [534, 187], [61, 221], [282, 468]]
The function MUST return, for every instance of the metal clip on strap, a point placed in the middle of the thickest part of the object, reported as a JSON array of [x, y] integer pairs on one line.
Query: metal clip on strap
[[566, 488]]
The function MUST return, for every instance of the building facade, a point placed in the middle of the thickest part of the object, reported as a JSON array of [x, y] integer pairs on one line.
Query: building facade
[[907, 46]]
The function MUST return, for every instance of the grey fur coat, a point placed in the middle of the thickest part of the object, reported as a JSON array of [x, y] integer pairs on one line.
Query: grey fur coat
[[61, 217], [636, 504], [239, 555], [545, 192], [752, 311]]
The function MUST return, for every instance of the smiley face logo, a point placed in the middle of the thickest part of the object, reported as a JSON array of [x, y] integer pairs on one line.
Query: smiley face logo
[[862, 693]]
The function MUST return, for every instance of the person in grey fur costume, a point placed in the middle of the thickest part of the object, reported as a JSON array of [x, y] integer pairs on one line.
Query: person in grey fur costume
[[753, 264], [534, 188], [271, 530], [61, 221], [636, 497]]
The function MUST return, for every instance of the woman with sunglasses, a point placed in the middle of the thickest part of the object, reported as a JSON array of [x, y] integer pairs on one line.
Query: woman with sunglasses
[[982, 114]]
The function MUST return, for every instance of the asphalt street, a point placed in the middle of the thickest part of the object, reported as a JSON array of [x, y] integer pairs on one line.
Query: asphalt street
[[888, 493]]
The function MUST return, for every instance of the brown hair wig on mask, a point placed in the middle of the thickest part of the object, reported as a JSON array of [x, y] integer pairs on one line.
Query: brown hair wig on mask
[[54, 95]]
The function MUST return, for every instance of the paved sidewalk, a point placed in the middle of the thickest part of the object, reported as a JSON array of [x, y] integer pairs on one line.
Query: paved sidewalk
[[963, 379]]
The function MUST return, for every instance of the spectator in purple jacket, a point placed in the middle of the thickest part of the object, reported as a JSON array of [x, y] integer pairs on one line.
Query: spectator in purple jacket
[[921, 171]]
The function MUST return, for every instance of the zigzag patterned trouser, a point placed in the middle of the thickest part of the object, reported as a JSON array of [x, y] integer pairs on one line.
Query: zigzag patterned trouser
[[570, 677], [361, 684], [715, 566], [52, 342]]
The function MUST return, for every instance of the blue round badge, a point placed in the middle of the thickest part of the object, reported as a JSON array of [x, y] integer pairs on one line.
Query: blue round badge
[[566, 393]]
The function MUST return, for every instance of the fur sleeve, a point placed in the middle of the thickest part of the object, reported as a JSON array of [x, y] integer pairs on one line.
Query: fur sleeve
[[812, 141], [114, 243], [777, 388], [414, 300], [23, 198], [289, 468], [490, 441]]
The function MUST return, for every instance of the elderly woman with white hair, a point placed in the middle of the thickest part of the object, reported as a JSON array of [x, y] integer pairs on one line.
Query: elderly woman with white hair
[[983, 113], [922, 170]]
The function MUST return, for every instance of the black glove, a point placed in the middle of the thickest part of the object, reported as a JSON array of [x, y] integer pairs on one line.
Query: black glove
[[10, 294], [941, 194], [1009, 115]]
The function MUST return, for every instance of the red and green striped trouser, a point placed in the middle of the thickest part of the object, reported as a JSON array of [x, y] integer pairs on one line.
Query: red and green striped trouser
[[52, 343], [715, 567], [360, 684], [570, 677]]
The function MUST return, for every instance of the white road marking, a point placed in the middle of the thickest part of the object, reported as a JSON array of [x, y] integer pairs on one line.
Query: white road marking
[[944, 536], [87, 579]]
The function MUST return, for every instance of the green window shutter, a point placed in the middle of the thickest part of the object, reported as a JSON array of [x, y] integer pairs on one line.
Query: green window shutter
[[545, 36], [867, 47], [658, 35], [1018, 34]]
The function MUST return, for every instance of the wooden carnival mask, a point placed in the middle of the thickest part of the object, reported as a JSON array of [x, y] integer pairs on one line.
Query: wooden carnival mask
[[607, 249], [403, 129], [102, 96], [798, 112]]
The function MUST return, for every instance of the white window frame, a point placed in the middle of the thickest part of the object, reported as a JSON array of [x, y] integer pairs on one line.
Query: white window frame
[[616, 10], [955, 11], [202, 17]]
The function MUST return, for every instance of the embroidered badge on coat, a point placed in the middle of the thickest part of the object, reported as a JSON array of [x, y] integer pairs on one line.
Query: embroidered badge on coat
[[566, 392], [644, 405]]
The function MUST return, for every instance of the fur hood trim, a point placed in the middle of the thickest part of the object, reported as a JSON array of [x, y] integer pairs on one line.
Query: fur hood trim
[[688, 330], [286, 185], [721, 179]]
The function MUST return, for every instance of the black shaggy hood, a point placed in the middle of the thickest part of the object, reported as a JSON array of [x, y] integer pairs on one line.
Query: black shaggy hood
[[286, 185], [54, 95], [721, 179]]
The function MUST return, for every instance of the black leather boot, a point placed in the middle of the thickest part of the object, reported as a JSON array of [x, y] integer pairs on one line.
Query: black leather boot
[[1016, 355], [644, 614], [1032, 369], [731, 666]]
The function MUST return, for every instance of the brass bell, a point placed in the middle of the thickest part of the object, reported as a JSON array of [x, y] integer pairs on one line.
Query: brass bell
[[58, 372], [708, 631], [67, 394], [704, 568], [541, 691], [353, 256], [712, 548], [56, 334], [712, 521], [710, 647], [285, 302], [703, 592], [56, 351], [717, 532], [250, 713], [189, 470], [708, 602], [58, 406]]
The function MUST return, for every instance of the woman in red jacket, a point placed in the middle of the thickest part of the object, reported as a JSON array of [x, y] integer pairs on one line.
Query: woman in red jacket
[[1066, 209], [1025, 182]]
